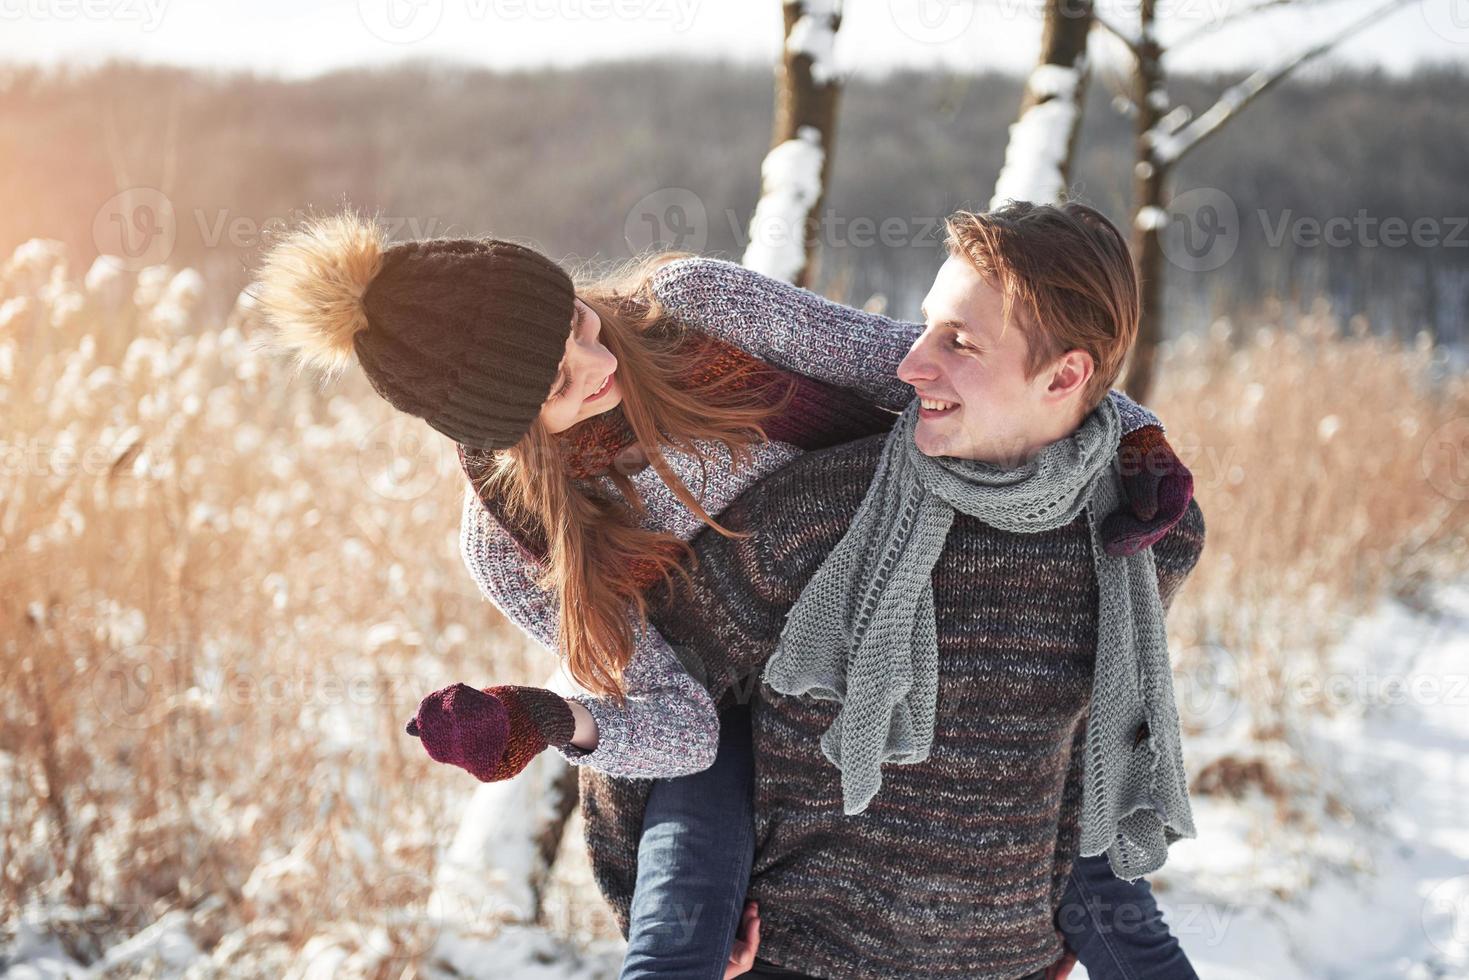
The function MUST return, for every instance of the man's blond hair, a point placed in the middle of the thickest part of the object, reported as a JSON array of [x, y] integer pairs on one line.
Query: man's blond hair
[[1068, 272]]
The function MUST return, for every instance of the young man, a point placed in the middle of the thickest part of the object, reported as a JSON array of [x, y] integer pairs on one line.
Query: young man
[[960, 691]]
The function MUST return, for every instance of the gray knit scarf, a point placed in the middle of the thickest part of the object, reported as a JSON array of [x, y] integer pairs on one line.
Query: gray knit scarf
[[862, 632]]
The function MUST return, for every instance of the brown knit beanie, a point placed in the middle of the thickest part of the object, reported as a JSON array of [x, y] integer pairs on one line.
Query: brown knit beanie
[[464, 333]]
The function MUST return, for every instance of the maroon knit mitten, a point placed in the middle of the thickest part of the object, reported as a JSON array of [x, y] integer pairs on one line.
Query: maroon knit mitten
[[492, 734], [1158, 487]]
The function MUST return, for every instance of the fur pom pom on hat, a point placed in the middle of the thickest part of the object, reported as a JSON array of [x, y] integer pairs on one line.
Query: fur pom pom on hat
[[464, 333]]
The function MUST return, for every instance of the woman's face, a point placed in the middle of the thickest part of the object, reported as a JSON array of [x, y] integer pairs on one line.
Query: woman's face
[[586, 383]]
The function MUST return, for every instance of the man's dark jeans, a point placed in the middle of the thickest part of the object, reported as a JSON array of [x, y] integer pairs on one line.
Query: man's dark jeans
[[1115, 928]]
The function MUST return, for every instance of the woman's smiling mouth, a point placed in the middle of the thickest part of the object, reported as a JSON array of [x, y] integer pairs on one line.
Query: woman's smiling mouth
[[606, 383]]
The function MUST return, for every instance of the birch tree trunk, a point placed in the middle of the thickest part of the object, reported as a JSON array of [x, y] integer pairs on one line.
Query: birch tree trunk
[[785, 230], [1042, 140], [1149, 176]]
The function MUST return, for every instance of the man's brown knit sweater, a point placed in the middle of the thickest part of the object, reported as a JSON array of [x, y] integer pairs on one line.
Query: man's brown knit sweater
[[957, 866]]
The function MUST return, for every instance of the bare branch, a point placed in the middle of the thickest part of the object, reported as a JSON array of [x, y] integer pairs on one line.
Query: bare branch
[[1170, 148], [1210, 27], [1127, 39], [1243, 14]]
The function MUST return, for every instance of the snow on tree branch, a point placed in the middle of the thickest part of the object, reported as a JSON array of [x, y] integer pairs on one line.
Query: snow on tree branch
[[1039, 139], [814, 35], [790, 186]]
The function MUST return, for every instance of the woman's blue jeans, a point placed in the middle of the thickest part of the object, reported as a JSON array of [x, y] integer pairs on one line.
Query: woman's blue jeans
[[694, 866]]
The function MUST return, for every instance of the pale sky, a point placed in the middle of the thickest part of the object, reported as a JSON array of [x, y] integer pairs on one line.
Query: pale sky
[[302, 37]]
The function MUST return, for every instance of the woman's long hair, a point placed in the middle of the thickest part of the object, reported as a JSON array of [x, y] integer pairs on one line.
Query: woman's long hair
[[592, 542]]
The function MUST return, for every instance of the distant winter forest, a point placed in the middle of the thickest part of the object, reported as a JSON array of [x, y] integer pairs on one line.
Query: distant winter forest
[[1348, 185]]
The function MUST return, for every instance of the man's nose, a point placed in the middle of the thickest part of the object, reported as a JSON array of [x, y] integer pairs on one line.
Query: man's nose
[[916, 366]]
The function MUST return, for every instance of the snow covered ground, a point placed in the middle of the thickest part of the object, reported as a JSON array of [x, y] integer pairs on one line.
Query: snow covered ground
[[1383, 895], [1378, 889]]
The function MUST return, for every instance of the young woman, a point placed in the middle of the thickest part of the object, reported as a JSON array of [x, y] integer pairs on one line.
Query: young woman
[[583, 417]]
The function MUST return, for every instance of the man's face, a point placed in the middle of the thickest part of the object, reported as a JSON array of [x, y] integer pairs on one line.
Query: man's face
[[966, 360]]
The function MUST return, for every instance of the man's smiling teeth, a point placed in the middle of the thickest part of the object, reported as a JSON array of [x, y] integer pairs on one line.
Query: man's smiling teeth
[[936, 405]]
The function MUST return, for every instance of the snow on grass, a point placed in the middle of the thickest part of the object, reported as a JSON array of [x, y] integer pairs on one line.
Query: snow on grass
[[522, 953], [1379, 891]]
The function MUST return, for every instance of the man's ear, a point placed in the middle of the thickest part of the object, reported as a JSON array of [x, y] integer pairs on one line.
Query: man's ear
[[1069, 374]]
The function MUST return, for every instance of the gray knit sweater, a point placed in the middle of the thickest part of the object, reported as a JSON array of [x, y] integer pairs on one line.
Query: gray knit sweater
[[667, 725]]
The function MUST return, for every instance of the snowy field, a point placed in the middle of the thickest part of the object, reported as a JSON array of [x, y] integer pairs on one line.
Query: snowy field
[[1385, 894]]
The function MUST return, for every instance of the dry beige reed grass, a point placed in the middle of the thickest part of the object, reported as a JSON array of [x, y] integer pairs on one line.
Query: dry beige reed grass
[[220, 598], [222, 592], [1332, 466]]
